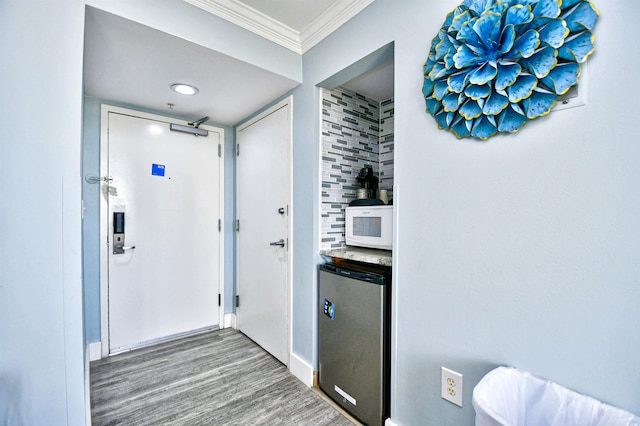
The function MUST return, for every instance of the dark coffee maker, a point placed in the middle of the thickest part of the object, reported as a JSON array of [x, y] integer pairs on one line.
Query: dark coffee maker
[[368, 183]]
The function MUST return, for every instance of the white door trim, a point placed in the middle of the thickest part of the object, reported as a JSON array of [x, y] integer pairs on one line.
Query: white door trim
[[285, 103], [104, 211]]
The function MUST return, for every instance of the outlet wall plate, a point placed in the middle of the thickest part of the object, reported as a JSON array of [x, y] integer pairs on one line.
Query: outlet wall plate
[[451, 386]]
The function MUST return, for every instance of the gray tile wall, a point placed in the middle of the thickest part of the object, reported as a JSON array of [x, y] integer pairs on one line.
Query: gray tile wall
[[386, 146], [356, 132]]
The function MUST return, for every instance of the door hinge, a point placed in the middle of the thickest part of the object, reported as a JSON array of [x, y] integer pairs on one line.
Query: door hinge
[[237, 225], [219, 225], [237, 301], [219, 151], [237, 150], [219, 300]]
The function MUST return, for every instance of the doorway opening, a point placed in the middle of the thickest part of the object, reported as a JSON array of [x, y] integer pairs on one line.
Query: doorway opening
[[357, 132]]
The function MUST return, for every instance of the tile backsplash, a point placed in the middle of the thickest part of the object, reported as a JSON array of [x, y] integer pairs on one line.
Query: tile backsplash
[[356, 132], [386, 146]]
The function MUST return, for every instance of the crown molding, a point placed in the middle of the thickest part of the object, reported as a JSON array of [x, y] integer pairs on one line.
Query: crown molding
[[330, 20], [263, 25], [253, 20]]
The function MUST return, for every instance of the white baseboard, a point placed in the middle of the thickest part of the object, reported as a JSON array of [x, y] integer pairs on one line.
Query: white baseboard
[[389, 422], [299, 368], [95, 351], [230, 321]]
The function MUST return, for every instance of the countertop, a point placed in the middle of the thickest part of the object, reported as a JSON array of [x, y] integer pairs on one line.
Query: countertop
[[361, 254]]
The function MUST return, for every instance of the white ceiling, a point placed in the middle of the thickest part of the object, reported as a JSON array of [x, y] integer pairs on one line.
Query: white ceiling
[[126, 62], [133, 64], [376, 84], [296, 14]]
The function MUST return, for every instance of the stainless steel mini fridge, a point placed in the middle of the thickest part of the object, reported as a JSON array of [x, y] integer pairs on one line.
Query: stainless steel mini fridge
[[354, 340]]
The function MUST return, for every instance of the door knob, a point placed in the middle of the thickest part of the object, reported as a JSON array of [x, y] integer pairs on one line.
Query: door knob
[[277, 243], [281, 210]]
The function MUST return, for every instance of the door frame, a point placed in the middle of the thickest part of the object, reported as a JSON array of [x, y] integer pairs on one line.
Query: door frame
[[104, 211], [284, 103]]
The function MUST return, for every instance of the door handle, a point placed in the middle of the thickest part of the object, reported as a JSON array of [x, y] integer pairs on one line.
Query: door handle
[[118, 249], [278, 243], [281, 210]]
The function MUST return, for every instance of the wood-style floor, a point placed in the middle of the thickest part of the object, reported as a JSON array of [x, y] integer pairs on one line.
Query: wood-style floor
[[215, 378]]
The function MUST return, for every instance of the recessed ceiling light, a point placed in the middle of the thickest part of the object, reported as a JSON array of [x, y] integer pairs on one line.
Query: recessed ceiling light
[[184, 89]]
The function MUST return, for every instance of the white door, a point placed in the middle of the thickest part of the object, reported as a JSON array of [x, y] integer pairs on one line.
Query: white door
[[166, 187], [263, 238]]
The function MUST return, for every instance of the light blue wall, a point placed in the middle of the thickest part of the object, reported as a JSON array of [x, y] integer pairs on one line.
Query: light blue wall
[[91, 224], [521, 251], [41, 335]]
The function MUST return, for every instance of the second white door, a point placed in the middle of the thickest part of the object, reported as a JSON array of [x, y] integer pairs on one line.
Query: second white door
[[264, 214]]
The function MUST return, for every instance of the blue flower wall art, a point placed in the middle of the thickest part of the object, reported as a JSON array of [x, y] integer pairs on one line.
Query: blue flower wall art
[[495, 64]]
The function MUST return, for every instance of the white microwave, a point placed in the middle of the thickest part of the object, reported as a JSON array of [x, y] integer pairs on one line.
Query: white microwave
[[369, 226]]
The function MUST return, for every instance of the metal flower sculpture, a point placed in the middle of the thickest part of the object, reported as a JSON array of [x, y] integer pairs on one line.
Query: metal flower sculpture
[[495, 64]]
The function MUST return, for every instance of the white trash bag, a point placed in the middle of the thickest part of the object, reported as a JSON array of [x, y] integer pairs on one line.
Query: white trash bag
[[511, 397]]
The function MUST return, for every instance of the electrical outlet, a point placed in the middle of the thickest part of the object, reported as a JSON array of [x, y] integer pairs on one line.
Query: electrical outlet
[[451, 389]]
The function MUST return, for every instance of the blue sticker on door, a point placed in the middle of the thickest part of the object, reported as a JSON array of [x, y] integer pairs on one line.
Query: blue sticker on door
[[157, 169], [329, 308]]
